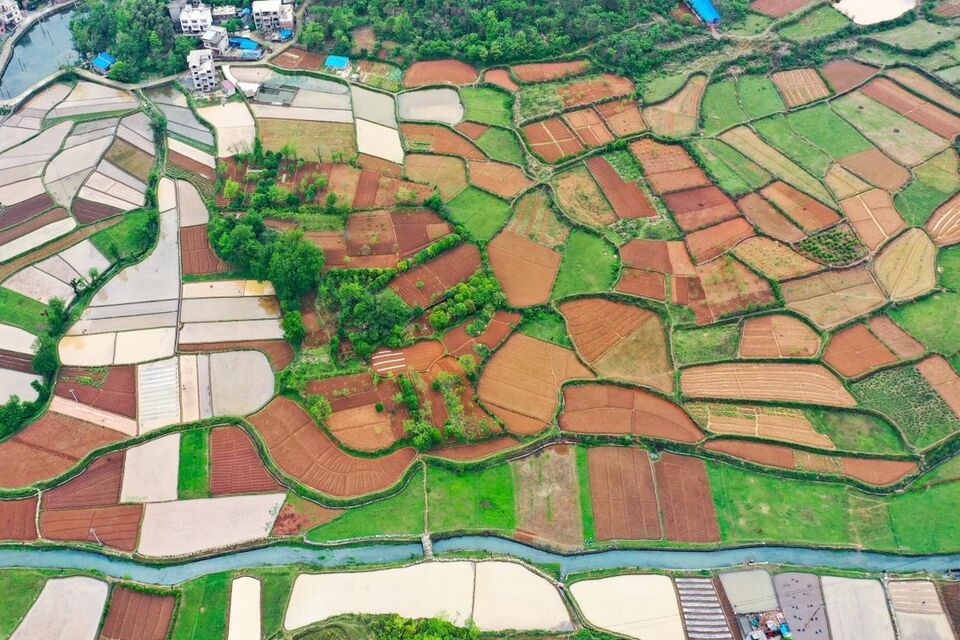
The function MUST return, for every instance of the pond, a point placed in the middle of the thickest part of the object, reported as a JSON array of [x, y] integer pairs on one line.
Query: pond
[[39, 52]]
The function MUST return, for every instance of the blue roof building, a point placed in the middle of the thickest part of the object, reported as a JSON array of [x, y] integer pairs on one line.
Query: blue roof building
[[103, 62], [705, 10], [337, 62]]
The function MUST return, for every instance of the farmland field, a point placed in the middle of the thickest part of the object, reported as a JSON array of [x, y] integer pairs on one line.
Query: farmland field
[[501, 144], [710, 344], [931, 321], [589, 264], [488, 106], [479, 212], [816, 24]]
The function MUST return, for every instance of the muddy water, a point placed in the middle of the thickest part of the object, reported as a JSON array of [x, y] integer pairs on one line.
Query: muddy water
[[39, 52]]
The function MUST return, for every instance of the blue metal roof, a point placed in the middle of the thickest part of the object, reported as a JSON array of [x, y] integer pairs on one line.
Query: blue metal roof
[[337, 62], [705, 9], [104, 60]]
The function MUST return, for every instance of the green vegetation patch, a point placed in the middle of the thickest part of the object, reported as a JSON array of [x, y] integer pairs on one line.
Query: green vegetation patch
[[933, 321], [659, 88], [545, 324], [129, 237], [834, 247], [905, 397], [625, 165], [854, 431], [539, 99], [194, 477], [934, 181], [589, 264], [501, 144], [488, 106], [918, 522], [476, 500], [949, 267], [759, 96], [776, 130], [721, 108], [586, 506], [19, 588], [708, 344], [276, 585], [480, 213], [819, 23], [21, 311], [202, 610], [949, 471], [735, 173], [828, 131], [918, 36]]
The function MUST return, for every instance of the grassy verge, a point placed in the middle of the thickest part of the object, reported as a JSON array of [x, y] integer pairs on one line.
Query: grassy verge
[[720, 108], [758, 96], [776, 130], [709, 344], [194, 477], [275, 588], [125, 238], [589, 264], [18, 590], [949, 267], [501, 144], [21, 311], [547, 325], [586, 506], [474, 500], [828, 131], [203, 608], [480, 213], [821, 22], [488, 106], [736, 174]]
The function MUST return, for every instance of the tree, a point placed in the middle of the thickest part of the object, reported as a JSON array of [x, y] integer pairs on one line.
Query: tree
[[293, 328], [233, 25], [295, 264], [45, 359]]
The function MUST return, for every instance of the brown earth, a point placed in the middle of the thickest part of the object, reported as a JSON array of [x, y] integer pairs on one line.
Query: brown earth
[[623, 117], [130, 158], [535, 219], [552, 140], [11, 232], [950, 591], [777, 336], [702, 207], [112, 389], [944, 380], [18, 519], [929, 116], [768, 455], [588, 126], [844, 75], [898, 340], [417, 357], [86, 211], [720, 288], [627, 198], [298, 514], [689, 514], [135, 615], [547, 496], [768, 219], [944, 224], [235, 464], [706, 244], [543, 71], [22, 211], [16, 361], [877, 472], [769, 382], [354, 420], [197, 257], [436, 139], [439, 72], [668, 167], [297, 58], [191, 165], [475, 451], [594, 89], [278, 352], [97, 486], [504, 180], [873, 217], [800, 86], [437, 275], [646, 284], [778, 8], [459, 343], [580, 197], [855, 351], [610, 409], [623, 497], [678, 115], [502, 79], [833, 297], [115, 526], [808, 213], [781, 424], [526, 270], [773, 259], [907, 266], [876, 168], [472, 130], [665, 256]]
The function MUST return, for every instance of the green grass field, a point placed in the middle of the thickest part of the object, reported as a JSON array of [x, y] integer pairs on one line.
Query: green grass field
[[480, 213], [948, 471], [934, 182], [918, 36], [759, 96], [18, 589], [539, 99], [659, 88], [125, 235], [547, 325], [202, 610], [586, 508], [859, 432], [721, 108], [816, 24], [933, 321], [488, 106], [776, 130], [276, 585], [709, 344], [828, 131], [949, 267], [730, 169], [625, 165], [478, 500], [21, 311], [501, 144], [194, 478], [589, 264], [913, 513]]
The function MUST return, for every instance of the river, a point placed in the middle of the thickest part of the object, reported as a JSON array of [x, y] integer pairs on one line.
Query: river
[[39, 52]]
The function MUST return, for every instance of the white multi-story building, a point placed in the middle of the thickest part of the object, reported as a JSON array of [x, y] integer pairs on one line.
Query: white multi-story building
[[10, 15], [216, 39], [270, 15], [224, 13], [195, 18], [204, 74]]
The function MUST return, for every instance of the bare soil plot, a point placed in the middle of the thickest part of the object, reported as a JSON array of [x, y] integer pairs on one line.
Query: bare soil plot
[[646, 284], [907, 267], [800, 86], [768, 219], [588, 126], [665, 256], [622, 494], [521, 382], [354, 419], [855, 351], [298, 515], [627, 198], [18, 519], [856, 609], [131, 159], [96, 486], [898, 340], [944, 380], [833, 297], [543, 71], [476, 451], [698, 208], [918, 83], [773, 259], [623, 117], [948, 9], [808, 213], [278, 352], [437, 275], [843, 75], [950, 591], [87, 211], [439, 72], [777, 456], [235, 464], [632, 606], [526, 270], [115, 526], [10, 233], [504, 180], [594, 89], [721, 287], [112, 389], [197, 257], [944, 224], [436, 139], [782, 424], [304, 452], [620, 340], [547, 496], [929, 116], [535, 219], [415, 230], [15, 213], [502, 79], [842, 183], [689, 514], [706, 244], [877, 169], [579, 196], [778, 8], [873, 217], [807, 383], [136, 615], [678, 115], [778, 336], [917, 607], [552, 139], [458, 342], [610, 409], [472, 130], [668, 167]]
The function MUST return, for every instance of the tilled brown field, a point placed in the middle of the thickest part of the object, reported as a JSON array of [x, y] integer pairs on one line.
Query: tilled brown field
[[439, 71], [196, 255], [354, 419], [707, 244], [278, 352], [113, 389], [543, 71], [876, 168], [97, 486], [873, 217], [668, 167], [844, 75], [912, 107], [646, 284], [622, 494], [702, 207], [115, 526], [801, 208], [547, 496], [18, 519], [778, 336], [689, 514], [800, 86], [627, 198], [769, 219], [235, 464], [833, 297], [526, 270], [505, 180], [810, 383], [622, 116], [459, 343], [437, 275], [136, 615], [437, 139], [855, 351], [611, 409]]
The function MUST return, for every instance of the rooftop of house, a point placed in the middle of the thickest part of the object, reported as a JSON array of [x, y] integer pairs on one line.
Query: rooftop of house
[[260, 6], [200, 58]]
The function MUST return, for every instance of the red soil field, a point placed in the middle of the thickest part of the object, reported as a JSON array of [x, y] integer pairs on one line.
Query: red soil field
[[944, 380], [112, 389], [304, 452], [931, 117], [387, 168], [521, 382], [526, 270], [191, 165], [770, 221], [855, 351], [15, 361], [316, 334], [878, 472], [768, 455], [721, 287], [898, 340], [778, 8], [417, 357], [301, 515], [86, 211], [18, 519], [808, 383], [439, 72], [686, 501], [709, 243], [278, 352], [415, 230], [646, 284], [476, 451], [196, 255], [778, 336], [97, 486], [135, 615], [697, 208], [944, 224], [366, 194], [459, 343], [31, 225], [844, 75], [949, 9], [354, 420], [552, 139], [438, 275], [668, 167], [543, 71], [627, 198], [622, 116], [877, 169], [48, 447], [370, 233], [505, 180], [611, 409], [597, 324], [115, 526], [502, 79], [622, 494], [431, 137], [800, 86], [475, 418], [589, 127], [235, 464], [297, 58], [590, 90], [665, 256], [801, 208], [873, 217], [23, 211], [472, 130]]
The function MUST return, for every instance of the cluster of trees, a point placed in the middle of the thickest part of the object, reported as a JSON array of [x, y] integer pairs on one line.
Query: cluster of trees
[[139, 33], [480, 294]]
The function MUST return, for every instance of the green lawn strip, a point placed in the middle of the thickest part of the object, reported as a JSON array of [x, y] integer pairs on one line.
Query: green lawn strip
[[472, 500], [21, 311], [488, 106], [202, 610], [480, 213], [918, 520], [547, 325], [933, 321], [276, 584], [759, 96], [721, 109], [194, 478], [776, 130], [19, 588], [828, 131], [948, 262], [905, 397], [816, 24], [659, 88], [709, 344], [735, 174], [852, 431], [586, 506], [401, 514], [589, 264], [123, 238], [917, 201], [501, 144]]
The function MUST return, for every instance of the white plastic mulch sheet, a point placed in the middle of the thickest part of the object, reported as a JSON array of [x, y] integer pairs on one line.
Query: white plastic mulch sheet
[[637, 606], [431, 105], [66, 609], [379, 141]]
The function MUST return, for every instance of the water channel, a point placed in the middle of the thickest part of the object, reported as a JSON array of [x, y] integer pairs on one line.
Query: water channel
[[39, 52]]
